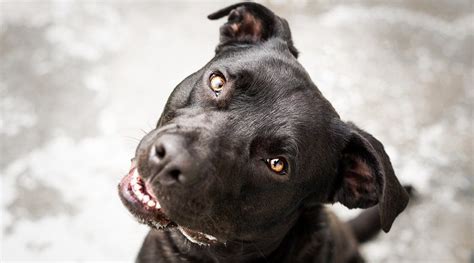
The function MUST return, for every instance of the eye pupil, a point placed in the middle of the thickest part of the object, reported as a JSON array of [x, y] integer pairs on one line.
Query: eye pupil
[[217, 82], [277, 165]]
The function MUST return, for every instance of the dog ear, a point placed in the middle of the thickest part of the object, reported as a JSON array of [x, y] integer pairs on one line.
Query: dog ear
[[366, 178], [251, 23]]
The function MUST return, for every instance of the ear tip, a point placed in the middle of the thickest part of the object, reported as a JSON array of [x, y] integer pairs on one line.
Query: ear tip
[[387, 220], [386, 227], [223, 12], [214, 16]]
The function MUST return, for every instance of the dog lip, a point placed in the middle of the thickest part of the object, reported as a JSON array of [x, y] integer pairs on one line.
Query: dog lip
[[197, 237], [154, 216], [140, 202]]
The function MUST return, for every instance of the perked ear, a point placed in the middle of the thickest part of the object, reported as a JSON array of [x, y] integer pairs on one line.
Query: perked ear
[[251, 23], [366, 178]]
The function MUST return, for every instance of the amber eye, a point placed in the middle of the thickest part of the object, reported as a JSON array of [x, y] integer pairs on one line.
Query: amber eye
[[277, 165], [216, 82]]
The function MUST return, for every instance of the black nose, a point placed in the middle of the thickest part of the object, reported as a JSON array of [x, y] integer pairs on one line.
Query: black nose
[[172, 161]]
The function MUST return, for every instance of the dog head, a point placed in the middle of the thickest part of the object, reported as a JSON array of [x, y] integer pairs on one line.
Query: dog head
[[248, 141]]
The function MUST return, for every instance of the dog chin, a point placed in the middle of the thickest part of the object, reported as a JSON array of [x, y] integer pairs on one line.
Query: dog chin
[[147, 208]]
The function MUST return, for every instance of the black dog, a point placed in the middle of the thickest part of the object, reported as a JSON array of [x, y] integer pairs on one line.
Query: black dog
[[246, 154]]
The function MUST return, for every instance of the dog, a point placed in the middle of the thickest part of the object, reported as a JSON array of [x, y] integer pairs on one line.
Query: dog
[[246, 154]]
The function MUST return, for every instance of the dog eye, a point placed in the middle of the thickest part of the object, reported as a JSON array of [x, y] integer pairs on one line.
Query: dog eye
[[277, 165], [216, 82]]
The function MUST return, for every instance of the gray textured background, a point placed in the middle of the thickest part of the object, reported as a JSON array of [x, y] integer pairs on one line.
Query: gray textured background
[[81, 80]]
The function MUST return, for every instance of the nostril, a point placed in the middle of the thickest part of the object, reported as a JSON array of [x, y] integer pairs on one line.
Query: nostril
[[171, 177], [170, 160], [160, 151], [175, 174]]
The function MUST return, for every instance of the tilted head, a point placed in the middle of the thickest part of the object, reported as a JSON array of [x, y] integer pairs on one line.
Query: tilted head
[[248, 141]]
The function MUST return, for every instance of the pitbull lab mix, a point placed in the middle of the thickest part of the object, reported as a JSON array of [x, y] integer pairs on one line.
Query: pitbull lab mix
[[246, 154]]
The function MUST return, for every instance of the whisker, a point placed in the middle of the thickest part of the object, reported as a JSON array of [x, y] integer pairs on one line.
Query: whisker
[[132, 138], [260, 251]]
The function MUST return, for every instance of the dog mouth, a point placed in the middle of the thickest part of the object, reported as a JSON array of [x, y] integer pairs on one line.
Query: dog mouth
[[140, 202], [146, 207]]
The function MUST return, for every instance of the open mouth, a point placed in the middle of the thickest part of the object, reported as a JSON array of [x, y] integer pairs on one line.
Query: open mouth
[[147, 208], [141, 203]]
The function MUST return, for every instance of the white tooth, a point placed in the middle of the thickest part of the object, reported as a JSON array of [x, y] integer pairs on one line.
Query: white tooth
[[151, 203], [209, 237], [146, 198], [158, 206], [137, 187], [138, 194]]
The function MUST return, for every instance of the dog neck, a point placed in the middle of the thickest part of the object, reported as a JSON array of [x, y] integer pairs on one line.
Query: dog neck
[[309, 225]]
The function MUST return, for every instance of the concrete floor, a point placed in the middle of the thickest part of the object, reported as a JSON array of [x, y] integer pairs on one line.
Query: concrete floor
[[81, 82]]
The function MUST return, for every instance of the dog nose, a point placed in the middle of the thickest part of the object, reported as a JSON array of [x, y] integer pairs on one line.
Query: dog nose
[[171, 160]]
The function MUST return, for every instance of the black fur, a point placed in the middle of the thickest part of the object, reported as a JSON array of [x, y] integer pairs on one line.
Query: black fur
[[221, 185]]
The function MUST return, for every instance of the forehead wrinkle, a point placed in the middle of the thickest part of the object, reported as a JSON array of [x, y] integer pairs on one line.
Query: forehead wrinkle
[[276, 123], [266, 57], [268, 109], [274, 70]]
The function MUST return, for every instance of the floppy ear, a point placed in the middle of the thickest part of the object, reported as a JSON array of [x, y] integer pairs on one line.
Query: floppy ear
[[366, 178], [250, 23]]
